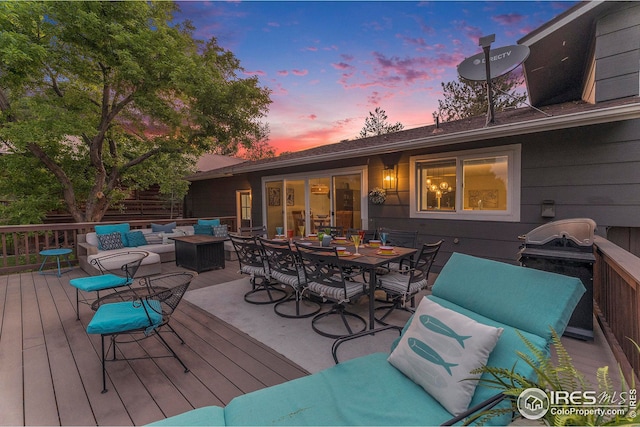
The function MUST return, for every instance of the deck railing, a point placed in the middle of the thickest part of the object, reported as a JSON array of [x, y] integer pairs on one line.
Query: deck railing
[[20, 245], [616, 294]]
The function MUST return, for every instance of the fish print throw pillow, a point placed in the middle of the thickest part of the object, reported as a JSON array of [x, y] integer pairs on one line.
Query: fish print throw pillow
[[439, 350]]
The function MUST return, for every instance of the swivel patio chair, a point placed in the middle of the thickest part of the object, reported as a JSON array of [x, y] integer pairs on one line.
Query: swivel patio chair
[[116, 270], [253, 262], [404, 238], [402, 285], [139, 317], [258, 231], [286, 268], [326, 278]]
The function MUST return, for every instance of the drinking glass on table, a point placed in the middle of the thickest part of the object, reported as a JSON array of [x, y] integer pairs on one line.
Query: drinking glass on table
[[361, 233], [356, 241], [279, 231], [383, 238], [301, 230]]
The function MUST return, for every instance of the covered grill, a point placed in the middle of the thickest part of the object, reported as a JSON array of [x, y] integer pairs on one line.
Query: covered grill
[[566, 247]]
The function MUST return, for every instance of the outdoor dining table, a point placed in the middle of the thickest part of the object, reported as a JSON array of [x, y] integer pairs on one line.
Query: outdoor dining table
[[368, 259]]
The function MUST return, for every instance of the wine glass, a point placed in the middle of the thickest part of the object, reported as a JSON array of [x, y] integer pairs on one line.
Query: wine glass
[[301, 230], [356, 241], [383, 238]]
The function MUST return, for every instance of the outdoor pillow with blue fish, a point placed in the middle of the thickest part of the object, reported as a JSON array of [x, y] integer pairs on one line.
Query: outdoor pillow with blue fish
[[439, 350]]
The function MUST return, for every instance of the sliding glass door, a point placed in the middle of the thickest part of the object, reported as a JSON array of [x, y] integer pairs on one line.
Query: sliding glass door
[[305, 205]]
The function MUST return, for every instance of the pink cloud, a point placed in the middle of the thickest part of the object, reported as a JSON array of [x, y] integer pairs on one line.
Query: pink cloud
[[508, 19], [299, 72], [254, 73], [283, 73], [341, 66], [311, 48]]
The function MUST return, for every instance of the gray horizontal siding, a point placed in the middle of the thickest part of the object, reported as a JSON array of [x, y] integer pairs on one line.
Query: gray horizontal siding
[[617, 54]]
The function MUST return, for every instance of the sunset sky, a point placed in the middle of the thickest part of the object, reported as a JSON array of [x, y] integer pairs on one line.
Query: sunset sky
[[328, 64]]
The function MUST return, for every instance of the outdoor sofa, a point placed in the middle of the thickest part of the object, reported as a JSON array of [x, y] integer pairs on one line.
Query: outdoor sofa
[[370, 390], [156, 242]]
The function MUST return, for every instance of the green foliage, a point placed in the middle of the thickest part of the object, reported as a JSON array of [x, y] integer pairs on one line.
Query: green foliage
[[466, 98], [99, 96], [549, 376], [376, 124]]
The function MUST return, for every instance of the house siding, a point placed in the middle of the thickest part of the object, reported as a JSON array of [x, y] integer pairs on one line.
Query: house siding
[[591, 172], [617, 53]]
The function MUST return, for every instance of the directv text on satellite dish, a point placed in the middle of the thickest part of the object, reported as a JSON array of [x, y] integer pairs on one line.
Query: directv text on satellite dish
[[502, 60]]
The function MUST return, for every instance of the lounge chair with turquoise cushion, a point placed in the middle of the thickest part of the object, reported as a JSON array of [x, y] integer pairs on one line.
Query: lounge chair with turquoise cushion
[[139, 314], [116, 270], [478, 307]]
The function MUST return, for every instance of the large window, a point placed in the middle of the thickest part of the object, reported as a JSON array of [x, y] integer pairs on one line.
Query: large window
[[470, 185]]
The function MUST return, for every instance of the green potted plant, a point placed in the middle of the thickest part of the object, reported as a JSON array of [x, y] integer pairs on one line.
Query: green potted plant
[[562, 377]]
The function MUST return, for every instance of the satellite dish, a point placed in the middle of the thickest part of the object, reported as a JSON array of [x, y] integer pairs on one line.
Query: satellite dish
[[503, 60]]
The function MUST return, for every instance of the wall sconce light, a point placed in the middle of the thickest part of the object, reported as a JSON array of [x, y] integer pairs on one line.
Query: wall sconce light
[[390, 177]]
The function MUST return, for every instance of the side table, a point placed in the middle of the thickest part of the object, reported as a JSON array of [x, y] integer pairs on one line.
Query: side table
[[62, 252], [199, 252]]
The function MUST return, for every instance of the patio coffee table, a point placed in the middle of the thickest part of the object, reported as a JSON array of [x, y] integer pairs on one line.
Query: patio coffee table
[[64, 252], [200, 252]]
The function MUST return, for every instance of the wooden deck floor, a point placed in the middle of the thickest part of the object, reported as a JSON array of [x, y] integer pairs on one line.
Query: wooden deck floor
[[50, 371]]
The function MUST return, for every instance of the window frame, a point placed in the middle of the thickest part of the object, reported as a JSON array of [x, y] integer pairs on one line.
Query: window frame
[[511, 214]]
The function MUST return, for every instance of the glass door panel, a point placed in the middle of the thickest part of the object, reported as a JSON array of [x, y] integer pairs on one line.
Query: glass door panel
[[347, 201], [274, 204], [295, 206], [319, 204]]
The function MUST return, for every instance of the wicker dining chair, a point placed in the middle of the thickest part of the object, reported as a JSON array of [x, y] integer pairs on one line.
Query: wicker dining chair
[[402, 285], [285, 267], [254, 263], [326, 279]]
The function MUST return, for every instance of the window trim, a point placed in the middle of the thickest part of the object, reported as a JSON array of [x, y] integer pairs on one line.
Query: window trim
[[512, 214]]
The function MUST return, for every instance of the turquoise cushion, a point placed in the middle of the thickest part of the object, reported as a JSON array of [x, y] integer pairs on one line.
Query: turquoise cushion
[[134, 239], [505, 292], [339, 396], [211, 222], [167, 228], [98, 283], [203, 229], [206, 416], [112, 228], [125, 316]]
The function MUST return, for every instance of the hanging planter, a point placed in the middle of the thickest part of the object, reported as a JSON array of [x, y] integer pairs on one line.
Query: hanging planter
[[377, 196]]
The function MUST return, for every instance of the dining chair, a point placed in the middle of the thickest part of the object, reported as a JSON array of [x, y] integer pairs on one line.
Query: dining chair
[[404, 238], [139, 318], [325, 278], [402, 285], [258, 231], [254, 263], [116, 270], [286, 268]]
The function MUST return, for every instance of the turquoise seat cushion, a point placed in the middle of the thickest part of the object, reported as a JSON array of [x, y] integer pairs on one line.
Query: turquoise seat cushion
[[505, 292], [364, 391], [206, 416], [125, 316], [123, 229], [209, 222], [98, 283]]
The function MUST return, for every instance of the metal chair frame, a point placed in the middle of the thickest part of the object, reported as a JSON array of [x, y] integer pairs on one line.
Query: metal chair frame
[[323, 274], [168, 295], [286, 268], [127, 270], [418, 272], [253, 262]]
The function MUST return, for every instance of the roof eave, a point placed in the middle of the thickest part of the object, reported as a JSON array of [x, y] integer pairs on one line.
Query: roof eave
[[573, 120]]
